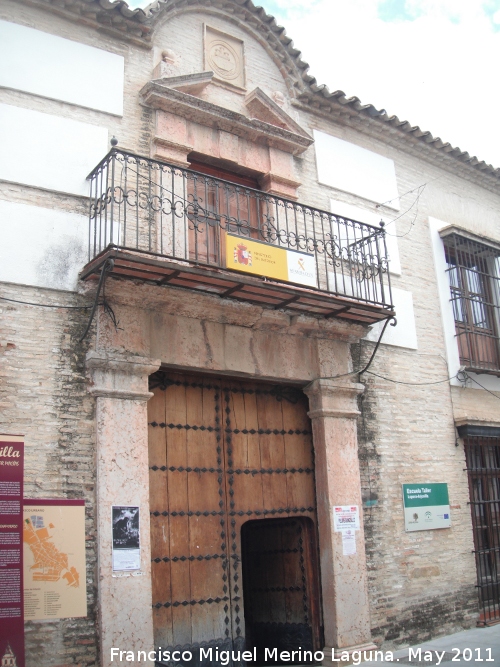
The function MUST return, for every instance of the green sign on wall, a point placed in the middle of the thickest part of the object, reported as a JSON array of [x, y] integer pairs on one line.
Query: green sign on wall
[[426, 506]]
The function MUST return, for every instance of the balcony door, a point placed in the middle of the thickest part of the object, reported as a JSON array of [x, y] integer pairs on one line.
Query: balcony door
[[219, 201]]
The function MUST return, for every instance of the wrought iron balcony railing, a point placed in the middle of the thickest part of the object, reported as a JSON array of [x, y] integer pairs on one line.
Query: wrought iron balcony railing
[[146, 206]]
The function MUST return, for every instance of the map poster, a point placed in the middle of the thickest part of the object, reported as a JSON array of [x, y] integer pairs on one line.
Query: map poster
[[126, 538], [54, 559], [11, 564]]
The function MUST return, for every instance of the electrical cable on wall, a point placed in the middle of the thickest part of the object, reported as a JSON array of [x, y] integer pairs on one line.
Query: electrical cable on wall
[[394, 322], [45, 305], [107, 267], [465, 377], [415, 203], [389, 201], [411, 384]]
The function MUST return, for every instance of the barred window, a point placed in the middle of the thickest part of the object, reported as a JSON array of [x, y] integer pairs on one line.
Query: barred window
[[474, 276], [482, 451]]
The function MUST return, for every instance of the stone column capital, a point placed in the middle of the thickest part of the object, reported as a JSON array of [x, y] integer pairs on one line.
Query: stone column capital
[[121, 376], [333, 398]]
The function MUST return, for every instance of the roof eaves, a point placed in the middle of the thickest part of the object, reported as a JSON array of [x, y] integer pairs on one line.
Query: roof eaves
[[148, 16]]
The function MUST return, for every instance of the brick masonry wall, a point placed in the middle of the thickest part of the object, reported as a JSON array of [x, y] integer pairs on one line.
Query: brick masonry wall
[[43, 396], [471, 403], [421, 584]]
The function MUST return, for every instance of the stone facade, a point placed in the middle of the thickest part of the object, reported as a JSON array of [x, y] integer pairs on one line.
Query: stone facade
[[81, 404]]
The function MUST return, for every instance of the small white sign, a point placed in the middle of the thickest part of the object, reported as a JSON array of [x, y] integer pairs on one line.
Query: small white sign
[[345, 517], [301, 268], [348, 542], [126, 559]]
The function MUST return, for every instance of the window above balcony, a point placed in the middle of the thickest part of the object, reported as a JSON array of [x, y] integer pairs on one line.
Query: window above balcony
[[180, 227], [473, 268]]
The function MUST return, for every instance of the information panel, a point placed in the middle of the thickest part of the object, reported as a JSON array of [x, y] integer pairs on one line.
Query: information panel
[[11, 563], [426, 506], [265, 259], [54, 559]]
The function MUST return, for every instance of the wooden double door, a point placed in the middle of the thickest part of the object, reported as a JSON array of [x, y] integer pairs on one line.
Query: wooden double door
[[233, 517]]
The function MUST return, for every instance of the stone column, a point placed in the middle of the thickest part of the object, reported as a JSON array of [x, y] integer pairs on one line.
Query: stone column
[[333, 411], [120, 385]]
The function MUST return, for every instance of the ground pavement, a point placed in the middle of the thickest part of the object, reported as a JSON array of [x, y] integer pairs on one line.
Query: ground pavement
[[480, 646]]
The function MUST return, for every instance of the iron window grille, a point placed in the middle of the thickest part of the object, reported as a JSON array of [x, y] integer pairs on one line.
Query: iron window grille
[[482, 452], [473, 270]]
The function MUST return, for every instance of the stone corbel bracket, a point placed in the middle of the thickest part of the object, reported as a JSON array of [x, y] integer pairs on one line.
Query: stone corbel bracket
[[333, 398], [120, 376]]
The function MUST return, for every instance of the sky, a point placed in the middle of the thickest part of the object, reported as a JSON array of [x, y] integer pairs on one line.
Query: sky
[[433, 63]]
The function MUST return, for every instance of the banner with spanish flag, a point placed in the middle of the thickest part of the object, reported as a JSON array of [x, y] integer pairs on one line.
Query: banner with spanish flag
[[264, 259]]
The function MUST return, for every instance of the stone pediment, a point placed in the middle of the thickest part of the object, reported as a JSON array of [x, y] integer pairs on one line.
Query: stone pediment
[[262, 107], [268, 125]]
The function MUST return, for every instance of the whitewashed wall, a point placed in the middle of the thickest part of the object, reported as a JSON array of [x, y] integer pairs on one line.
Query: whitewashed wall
[[348, 167], [49, 151], [490, 382], [58, 68], [404, 334], [41, 247]]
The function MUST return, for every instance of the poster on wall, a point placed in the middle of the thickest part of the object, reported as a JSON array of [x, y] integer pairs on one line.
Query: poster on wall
[[11, 556], [346, 522], [426, 506], [54, 559], [126, 538], [345, 517]]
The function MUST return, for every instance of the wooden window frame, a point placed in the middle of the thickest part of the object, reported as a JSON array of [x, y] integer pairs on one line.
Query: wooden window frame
[[223, 209], [474, 277]]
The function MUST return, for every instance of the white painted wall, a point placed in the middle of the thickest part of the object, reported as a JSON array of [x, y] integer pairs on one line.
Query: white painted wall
[[361, 215], [404, 334], [58, 68], [452, 354], [350, 168], [41, 247], [49, 151]]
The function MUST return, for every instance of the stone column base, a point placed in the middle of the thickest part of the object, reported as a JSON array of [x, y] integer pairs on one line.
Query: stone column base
[[344, 656]]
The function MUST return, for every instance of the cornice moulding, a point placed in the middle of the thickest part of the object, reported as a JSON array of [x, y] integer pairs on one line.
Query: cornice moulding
[[156, 95], [138, 26], [192, 84]]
